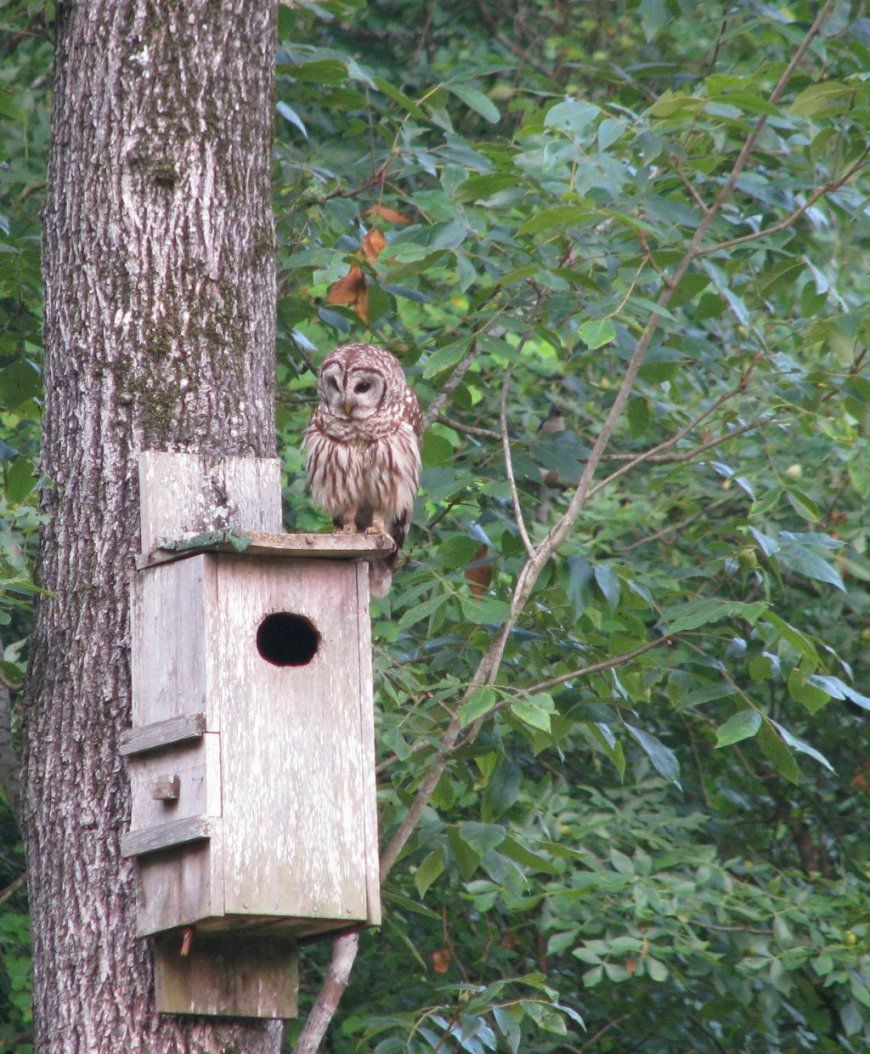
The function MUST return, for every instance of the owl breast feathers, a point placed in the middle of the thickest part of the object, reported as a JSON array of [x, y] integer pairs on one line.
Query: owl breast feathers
[[363, 448]]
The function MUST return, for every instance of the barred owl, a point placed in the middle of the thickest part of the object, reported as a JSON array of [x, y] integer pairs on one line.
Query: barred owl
[[363, 448]]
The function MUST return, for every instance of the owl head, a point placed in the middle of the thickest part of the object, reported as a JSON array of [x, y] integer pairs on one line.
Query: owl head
[[357, 380]]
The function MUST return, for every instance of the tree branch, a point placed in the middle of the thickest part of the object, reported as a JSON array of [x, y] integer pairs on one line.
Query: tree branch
[[488, 667], [490, 663], [792, 217], [13, 888], [460, 369], [687, 455], [598, 667], [509, 465], [344, 951]]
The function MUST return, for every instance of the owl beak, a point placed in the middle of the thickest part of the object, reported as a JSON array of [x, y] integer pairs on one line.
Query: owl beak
[[347, 409]]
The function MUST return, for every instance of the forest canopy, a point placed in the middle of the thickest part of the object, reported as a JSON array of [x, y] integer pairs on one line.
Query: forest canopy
[[617, 249]]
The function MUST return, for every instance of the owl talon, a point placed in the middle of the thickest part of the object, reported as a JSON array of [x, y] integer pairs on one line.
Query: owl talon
[[347, 528]]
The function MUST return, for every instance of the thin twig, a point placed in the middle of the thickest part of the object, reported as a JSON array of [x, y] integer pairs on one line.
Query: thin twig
[[13, 887], [689, 185], [601, 1031], [792, 217], [687, 455], [597, 667], [460, 369], [509, 465], [471, 430], [665, 531]]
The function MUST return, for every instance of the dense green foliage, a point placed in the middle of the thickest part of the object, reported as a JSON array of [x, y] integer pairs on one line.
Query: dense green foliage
[[666, 850]]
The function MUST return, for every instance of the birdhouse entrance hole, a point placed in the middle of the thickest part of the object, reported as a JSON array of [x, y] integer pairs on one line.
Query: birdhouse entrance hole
[[284, 639]]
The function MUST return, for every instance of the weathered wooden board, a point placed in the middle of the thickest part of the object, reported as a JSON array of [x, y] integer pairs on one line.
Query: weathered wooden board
[[229, 976], [268, 544], [369, 798], [180, 493], [166, 836], [161, 734], [296, 766], [168, 642]]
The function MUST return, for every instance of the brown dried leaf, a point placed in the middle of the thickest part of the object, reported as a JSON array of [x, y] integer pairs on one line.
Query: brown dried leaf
[[388, 214], [351, 290], [478, 573], [373, 244], [441, 960]]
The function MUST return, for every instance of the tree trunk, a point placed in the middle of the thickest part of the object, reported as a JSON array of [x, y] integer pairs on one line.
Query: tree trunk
[[159, 328]]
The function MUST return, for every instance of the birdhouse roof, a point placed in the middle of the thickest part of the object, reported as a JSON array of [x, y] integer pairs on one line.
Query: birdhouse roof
[[272, 546]]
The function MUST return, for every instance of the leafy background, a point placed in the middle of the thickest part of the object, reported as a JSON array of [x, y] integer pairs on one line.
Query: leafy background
[[665, 853]]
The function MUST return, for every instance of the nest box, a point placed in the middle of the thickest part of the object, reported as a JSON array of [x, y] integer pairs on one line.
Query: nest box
[[251, 754]]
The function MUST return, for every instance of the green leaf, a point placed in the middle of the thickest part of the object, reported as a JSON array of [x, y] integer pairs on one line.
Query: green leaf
[[531, 714], [403, 100], [320, 71], [430, 869], [476, 100], [653, 17], [558, 216], [802, 747], [485, 611], [838, 689], [607, 581], [803, 505], [20, 480], [502, 790], [19, 383], [289, 114], [807, 561], [621, 862], [545, 1016], [508, 1019], [517, 852], [663, 759], [479, 188], [480, 702], [690, 286], [807, 694], [444, 358], [656, 969], [671, 103], [799, 641], [571, 116], [777, 753], [823, 100], [741, 725], [597, 332], [695, 613], [418, 612], [480, 837]]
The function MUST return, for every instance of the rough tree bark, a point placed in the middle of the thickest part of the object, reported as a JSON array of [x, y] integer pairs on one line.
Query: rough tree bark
[[159, 326]]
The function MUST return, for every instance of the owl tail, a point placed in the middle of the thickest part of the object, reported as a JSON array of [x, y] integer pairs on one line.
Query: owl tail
[[381, 576]]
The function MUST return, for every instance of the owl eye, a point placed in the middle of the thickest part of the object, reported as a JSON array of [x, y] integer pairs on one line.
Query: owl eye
[[363, 386]]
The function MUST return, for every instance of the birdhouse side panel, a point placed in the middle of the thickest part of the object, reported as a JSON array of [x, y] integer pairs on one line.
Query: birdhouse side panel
[[294, 760], [184, 884], [367, 739], [168, 640]]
